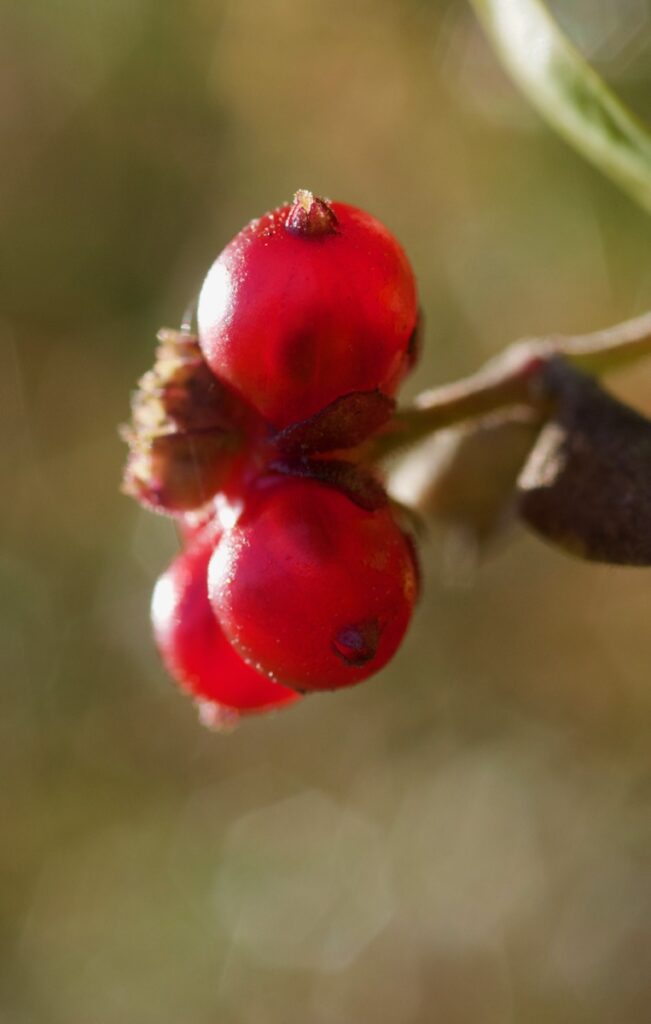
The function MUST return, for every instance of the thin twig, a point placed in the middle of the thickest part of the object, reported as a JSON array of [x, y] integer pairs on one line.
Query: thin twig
[[609, 349], [515, 377]]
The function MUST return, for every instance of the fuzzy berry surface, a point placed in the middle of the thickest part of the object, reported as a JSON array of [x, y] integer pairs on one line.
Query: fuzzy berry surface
[[312, 587], [310, 302], [193, 647]]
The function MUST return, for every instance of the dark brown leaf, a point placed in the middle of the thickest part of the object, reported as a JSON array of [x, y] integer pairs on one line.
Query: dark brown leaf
[[344, 423], [586, 486], [356, 482]]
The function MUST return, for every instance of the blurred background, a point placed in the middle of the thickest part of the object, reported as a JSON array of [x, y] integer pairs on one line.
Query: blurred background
[[466, 837]]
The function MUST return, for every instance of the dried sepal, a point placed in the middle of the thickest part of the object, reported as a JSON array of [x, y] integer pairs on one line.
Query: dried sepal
[[342, 424], [357, 482], [186, 429], [182, 393], [178, 472], [586, 486]]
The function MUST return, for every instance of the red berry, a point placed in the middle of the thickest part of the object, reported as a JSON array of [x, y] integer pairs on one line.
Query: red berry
[[311, 586], [308, 303], [191, 525], [192, 645]]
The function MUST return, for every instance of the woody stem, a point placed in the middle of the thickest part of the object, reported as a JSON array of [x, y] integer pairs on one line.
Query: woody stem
[[515, 377]]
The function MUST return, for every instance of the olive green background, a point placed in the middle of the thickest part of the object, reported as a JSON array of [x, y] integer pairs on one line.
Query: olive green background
[[463, 839]]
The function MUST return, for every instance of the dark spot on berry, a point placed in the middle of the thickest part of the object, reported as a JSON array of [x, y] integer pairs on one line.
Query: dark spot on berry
[[356, 645], [298, 358]]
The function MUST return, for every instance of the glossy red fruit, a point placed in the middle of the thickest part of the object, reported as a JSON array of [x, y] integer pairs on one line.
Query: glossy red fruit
[[308, 303], [312, 587], [192, 645]]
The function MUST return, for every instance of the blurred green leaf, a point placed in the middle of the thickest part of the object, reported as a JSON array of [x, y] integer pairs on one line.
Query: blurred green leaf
[[568, 93]]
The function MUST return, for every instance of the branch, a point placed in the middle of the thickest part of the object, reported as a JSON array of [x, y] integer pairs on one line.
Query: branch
[[518, 376]]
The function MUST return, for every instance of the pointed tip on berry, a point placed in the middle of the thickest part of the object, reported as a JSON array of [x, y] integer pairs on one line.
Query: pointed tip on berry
[[310, 216]]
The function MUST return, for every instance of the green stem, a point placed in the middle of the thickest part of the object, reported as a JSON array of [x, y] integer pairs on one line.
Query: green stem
[[569, 93]]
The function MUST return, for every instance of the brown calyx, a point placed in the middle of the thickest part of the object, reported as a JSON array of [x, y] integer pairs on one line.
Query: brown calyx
[[186, 429], [310, 217]]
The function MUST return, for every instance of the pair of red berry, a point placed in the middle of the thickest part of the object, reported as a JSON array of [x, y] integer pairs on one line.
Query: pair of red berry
[[295, 575]]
